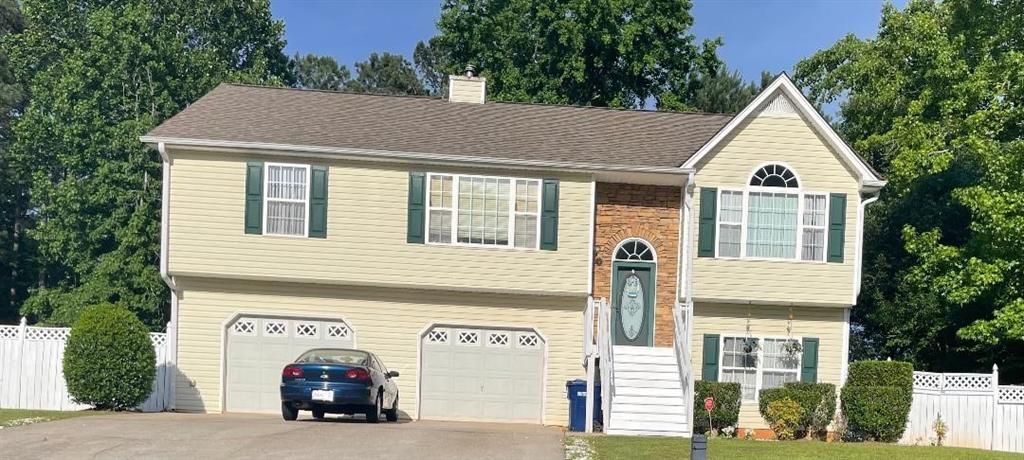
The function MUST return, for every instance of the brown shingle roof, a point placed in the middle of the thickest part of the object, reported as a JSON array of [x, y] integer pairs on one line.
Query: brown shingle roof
[[500, 131]]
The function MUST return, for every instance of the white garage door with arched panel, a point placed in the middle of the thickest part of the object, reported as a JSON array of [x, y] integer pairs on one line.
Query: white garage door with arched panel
[[258, 348], [473, 373]]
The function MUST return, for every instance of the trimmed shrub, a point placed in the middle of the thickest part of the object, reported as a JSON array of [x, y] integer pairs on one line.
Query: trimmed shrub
[[876, 399], [727, 405], [783, 416], [109, 362], [881, 374], [818, 401]]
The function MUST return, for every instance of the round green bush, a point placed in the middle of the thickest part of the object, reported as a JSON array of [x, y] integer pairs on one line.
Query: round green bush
[[109, 362], [727, 405]]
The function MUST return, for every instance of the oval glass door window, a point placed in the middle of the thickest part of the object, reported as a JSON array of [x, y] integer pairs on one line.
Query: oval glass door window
[[631, 311]]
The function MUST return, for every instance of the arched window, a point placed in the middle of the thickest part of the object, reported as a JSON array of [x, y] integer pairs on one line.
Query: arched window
[[774, 176], [635, 249]]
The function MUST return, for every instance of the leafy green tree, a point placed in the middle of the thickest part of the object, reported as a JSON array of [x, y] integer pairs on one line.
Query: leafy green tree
[[319, 72], [15, 259], [935, 102], [100, 74], [620, 53], [386, 73]]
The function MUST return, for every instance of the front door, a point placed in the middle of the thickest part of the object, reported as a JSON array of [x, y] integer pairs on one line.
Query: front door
[[633, 303]]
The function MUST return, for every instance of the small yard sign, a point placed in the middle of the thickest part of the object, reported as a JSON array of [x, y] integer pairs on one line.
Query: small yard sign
[[709, 405]]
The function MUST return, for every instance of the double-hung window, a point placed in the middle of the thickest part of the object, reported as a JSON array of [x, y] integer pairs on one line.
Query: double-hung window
[[758, 363], [772, 219], [286, 199], [483, 211]]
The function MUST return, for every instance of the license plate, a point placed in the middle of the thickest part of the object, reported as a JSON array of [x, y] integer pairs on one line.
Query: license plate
[[323, 395]]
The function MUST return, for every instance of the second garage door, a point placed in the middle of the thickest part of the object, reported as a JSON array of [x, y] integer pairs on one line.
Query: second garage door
[[258, 348], [482, 374]]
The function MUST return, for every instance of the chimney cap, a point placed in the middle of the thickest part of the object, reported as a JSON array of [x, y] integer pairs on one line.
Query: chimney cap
[[470, 70]]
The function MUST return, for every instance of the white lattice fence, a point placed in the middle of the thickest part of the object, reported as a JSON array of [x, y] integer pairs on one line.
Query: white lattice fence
[[977, 411], [32, 376]]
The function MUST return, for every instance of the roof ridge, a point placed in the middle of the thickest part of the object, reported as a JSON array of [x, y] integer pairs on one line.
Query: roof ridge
[[525, 103]]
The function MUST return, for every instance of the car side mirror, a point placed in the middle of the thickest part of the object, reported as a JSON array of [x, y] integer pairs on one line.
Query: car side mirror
[[392, 373]]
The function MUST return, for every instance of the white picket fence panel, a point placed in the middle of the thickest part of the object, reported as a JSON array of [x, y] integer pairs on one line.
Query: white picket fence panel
[[32, 370], [977, 411]]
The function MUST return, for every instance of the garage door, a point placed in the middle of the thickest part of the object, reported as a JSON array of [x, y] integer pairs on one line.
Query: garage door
[[258, 348], [482, 374]]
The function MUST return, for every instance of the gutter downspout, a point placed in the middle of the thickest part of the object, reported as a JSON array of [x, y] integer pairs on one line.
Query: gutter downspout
[[172, 325], [858, 264]]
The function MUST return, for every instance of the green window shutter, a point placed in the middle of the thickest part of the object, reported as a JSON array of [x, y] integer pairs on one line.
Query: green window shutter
[[836, 226], [318, 202], [254, 198], [417, 207], [809, 361], [549, 215], [709, 371], [708, 224]]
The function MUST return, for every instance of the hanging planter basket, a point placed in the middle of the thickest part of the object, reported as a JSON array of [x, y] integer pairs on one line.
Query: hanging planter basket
[[792, 348], [751, 345]]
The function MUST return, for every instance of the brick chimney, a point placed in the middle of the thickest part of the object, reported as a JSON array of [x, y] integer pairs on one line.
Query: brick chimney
[[467, 88]]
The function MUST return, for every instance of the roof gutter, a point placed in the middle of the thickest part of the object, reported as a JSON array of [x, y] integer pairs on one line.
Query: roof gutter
[[397, 156]]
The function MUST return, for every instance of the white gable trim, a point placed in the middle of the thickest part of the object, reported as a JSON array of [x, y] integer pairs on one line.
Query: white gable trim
[[783, 85]]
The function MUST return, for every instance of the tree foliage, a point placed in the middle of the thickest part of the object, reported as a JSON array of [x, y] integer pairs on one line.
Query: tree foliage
[[386, 73], [620, 53], [726, 92], [100, 74], [15, 254], [319, 72], [935, 102]]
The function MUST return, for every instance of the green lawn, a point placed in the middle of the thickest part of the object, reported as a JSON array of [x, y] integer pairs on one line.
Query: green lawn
[[635, 448], [12, 417]]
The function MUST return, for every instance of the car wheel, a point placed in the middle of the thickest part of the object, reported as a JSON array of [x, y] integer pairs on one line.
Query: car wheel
[[374, 412], [392, 413], [288, 412], [318, 414]]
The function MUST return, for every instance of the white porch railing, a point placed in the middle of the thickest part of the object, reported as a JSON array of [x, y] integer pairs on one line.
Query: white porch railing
[[682, 352], [606, 352]]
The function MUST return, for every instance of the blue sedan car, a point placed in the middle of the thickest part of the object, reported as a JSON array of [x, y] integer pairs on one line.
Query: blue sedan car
[[339, 381]]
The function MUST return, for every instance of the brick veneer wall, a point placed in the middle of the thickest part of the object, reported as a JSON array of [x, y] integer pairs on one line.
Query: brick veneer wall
[[650, 212]]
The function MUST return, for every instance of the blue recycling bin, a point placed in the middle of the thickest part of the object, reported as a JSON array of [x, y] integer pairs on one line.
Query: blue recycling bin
[[576, 390]]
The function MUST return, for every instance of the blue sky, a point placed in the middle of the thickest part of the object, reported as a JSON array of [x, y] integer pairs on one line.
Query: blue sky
[[759, 34]]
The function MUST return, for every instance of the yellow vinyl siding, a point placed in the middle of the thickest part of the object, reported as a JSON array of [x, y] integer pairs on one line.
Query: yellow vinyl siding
[[770, 321], [366, 233], [386, 321], [792, 141]]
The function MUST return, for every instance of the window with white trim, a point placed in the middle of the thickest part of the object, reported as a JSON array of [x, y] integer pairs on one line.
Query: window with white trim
[[772, 219], [484, 211], [286, 199], [739, 365], [730, 223], [814, 221], [758, 363]]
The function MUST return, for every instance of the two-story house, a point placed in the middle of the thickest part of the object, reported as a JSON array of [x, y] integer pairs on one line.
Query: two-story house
[[461, 240]]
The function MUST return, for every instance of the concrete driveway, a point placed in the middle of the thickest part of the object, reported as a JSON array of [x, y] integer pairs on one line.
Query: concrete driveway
[[170, 435]]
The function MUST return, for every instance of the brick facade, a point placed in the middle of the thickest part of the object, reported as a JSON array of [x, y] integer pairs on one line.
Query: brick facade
[[650, 212]]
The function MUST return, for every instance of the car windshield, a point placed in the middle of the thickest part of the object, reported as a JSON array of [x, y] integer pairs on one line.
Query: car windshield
[[356, 357]]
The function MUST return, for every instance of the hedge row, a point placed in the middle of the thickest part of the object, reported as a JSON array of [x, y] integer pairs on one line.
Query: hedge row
[[876, 399], [818, 401]]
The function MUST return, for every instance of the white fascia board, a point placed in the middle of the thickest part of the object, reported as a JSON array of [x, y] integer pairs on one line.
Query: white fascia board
[[394, 156], [867, 178]]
